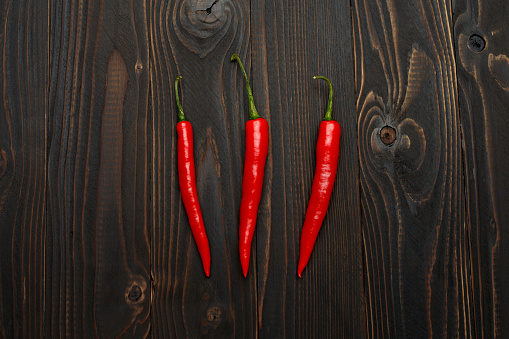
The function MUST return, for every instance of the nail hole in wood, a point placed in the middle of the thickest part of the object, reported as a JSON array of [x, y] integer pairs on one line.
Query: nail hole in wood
[[388, 135], [476, 43]]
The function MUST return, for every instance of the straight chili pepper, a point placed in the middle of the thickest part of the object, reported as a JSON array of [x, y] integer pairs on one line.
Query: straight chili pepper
[[187, 182], [257, 146], [327, 155]]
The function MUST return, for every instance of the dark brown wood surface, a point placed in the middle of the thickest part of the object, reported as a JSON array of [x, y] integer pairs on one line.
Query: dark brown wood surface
[[24, 143], [414, 235], [482, 50], [292, 42], [94, 239], [98, 174], [185, 39]]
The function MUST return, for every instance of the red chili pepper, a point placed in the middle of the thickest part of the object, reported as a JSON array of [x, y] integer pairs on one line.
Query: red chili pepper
[[187, 182], [257, 146], [327, 155]]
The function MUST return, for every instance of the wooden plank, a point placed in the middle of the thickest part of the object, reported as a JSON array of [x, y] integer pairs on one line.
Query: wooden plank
[[24, 29], [481, 30], [97, 247], [292, 42], [195, 39], [416, 243]]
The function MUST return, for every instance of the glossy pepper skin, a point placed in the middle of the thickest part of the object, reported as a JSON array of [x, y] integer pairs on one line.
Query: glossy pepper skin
[[327, 156], [257, 147], [187, 183]]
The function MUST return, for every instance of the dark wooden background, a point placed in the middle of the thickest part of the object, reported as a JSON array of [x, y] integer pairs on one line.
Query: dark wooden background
[[94, 239]]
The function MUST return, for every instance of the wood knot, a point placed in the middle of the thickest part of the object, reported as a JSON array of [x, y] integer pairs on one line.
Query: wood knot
[[201, 24], [476, 43], [214, 318], [214, 315], [3, 163], [388, 135], [135, 293]]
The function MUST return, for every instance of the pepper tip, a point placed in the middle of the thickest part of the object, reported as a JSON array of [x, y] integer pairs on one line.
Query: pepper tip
[[245, 269], [300, 268], [234, 57], [179, 77]]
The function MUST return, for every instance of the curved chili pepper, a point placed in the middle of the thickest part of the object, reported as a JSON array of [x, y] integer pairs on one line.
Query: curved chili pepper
[[327, 155], [187, 182], [257, 146]]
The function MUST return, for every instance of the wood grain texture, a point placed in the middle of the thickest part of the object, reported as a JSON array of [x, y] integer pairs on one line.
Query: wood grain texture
[[292, 42], [483, 78], [416, 243], [97, 246], [24, 26], [94, 238], [195, 39]]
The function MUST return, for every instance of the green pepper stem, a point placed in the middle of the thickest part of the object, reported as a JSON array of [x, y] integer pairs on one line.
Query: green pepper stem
[[328, 113], [181, 115], [253, 113]]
